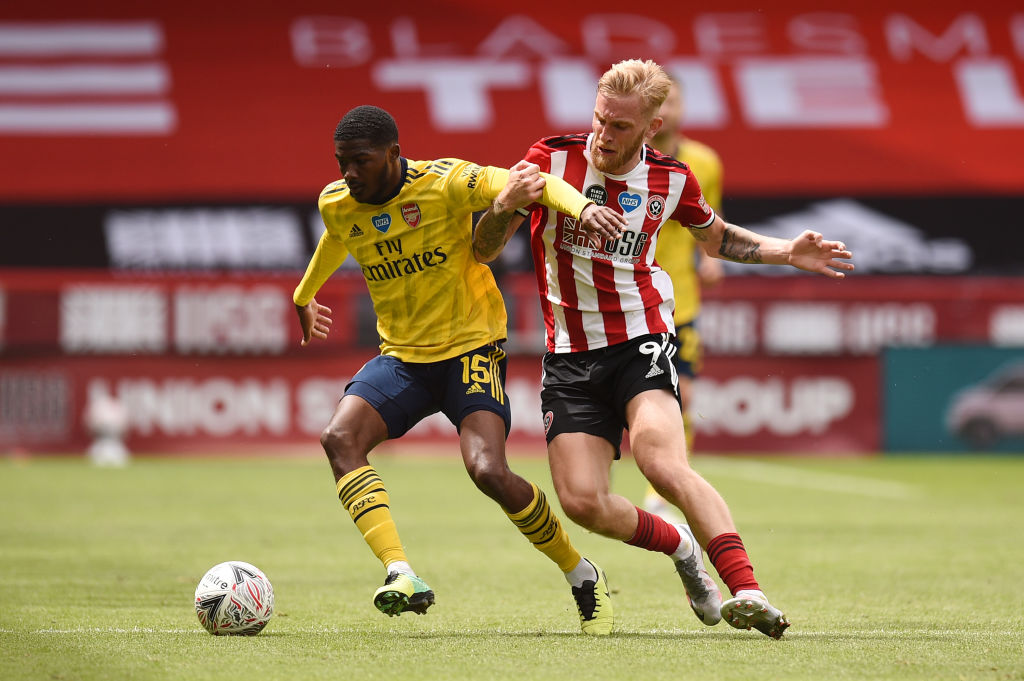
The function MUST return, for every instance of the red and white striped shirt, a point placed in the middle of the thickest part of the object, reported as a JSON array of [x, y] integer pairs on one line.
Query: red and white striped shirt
[[592, 298]]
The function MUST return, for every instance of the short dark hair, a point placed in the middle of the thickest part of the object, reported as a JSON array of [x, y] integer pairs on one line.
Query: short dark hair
[[367, 123]]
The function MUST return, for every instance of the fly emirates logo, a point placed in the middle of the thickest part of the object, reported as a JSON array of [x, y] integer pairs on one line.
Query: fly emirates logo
[[395, 263]]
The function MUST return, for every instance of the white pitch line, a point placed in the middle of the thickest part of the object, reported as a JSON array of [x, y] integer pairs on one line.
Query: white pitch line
[[953, 634], [790, 476], [113, 630]]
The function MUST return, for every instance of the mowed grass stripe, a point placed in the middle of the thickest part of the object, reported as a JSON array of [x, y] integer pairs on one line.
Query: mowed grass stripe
[[98, 569]]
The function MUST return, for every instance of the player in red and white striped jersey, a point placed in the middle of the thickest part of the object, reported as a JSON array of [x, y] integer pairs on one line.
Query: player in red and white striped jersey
[[608, 311], [599, 296]]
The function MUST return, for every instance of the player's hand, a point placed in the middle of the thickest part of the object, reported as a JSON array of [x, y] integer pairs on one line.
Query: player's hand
[[709, 270], [602, 223], [315, 320], [525, 185], [813, 253]]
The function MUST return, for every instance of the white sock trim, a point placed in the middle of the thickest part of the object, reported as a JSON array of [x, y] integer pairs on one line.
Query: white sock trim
[[583, 571], [401, 567], [687, 543]]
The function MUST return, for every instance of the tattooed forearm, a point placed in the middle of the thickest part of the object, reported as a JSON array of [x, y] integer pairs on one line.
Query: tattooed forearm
[[739, 248], [489, 237]]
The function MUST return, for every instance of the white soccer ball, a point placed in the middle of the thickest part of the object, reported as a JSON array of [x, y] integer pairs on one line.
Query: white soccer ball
[[234, 598]]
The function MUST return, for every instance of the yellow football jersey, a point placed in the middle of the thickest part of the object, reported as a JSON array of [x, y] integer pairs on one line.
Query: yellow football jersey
[[676, 249], [432, 299]]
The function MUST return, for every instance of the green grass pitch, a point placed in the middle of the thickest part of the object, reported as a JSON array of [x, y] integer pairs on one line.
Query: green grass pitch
[[899, 568]]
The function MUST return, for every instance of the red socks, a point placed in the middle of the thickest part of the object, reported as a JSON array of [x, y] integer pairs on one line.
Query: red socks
[[654, 534], [726, 551], [730, 559]]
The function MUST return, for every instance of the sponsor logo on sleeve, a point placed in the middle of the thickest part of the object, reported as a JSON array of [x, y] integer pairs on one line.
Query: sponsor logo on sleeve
[[473, 171]]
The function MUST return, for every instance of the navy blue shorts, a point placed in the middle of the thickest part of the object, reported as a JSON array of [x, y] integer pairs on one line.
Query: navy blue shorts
[[690, 355], [404, 393]]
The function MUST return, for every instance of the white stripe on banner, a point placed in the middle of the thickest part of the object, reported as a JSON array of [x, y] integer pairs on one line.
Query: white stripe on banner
[[80, 38], [105, 119], [84, 79]]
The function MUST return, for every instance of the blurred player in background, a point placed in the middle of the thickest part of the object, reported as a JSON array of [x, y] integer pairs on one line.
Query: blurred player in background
[[690, 267], [608, 312], [441, 321]]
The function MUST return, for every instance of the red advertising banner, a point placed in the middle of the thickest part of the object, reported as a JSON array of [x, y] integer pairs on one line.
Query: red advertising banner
[[175, 404], [218, 101], [213, 363], [806, 315], [101, 313], [758, 404]]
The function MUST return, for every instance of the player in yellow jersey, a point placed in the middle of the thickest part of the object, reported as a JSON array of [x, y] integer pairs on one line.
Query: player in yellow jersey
[[690, 267], [441, 321]]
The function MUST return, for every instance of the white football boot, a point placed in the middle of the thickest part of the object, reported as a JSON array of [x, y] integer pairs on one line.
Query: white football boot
[[701, 590], [750, 608]]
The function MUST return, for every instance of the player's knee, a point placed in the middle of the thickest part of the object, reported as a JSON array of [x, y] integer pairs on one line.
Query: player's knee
[[583, 509], [490, 474], [669, 480], [339, 443]]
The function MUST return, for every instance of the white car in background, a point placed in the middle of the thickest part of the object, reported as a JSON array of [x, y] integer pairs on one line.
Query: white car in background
[[992, 410]]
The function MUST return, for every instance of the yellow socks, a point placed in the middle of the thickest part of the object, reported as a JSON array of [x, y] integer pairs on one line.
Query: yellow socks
[[541, 526], [364, 497]]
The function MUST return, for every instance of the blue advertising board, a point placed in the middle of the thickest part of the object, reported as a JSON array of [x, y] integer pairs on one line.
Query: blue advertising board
[[953, 399]]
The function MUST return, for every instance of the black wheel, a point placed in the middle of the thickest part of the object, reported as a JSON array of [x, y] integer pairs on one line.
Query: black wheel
[[980, 433]]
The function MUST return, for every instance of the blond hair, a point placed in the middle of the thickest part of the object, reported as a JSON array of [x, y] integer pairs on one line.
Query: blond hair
[[632, 76]]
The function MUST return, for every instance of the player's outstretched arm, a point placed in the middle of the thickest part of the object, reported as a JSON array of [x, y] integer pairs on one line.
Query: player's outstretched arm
[[315, 320], [809, 251], [813, 253]]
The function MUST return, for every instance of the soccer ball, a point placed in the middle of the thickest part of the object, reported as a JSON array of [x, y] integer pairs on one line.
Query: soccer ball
[[234, 598]]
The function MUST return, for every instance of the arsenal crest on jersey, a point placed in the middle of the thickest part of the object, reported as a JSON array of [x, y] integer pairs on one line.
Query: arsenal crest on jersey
[[411, 214]]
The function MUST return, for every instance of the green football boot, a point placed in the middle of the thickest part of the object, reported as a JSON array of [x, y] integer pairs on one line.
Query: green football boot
[[402, 593]]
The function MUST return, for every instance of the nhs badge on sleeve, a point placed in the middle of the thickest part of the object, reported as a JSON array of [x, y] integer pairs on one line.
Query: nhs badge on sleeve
[[381, 222]]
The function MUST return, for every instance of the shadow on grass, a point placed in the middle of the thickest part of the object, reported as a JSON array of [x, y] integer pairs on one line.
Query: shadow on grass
[[721, 635]]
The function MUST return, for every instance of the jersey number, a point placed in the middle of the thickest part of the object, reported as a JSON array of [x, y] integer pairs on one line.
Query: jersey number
[[478, 371]]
